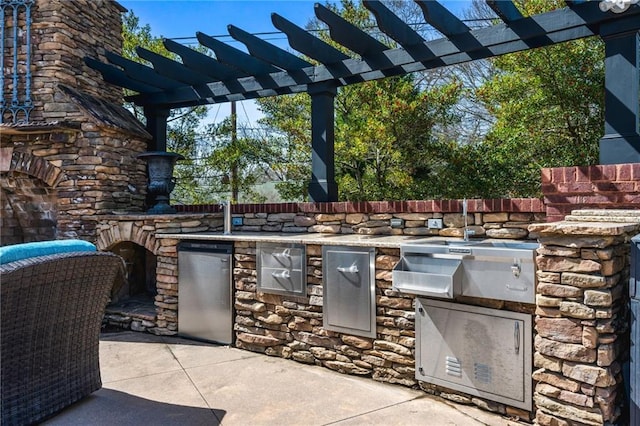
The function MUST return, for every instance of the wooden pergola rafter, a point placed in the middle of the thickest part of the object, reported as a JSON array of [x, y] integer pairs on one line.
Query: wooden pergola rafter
[[267, 70]]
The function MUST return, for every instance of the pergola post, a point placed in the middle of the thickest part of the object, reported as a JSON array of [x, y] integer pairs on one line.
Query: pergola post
[[157, 127], [621, 140], [322, 186]]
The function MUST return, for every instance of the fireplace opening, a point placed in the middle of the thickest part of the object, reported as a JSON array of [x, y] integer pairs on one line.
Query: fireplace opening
[[28, 209], [132, 299]]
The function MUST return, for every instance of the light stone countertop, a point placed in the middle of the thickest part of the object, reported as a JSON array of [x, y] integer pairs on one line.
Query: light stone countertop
[[359, 240]]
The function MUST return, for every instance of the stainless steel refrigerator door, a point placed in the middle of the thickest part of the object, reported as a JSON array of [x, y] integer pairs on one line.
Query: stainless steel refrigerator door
[[205, 308]]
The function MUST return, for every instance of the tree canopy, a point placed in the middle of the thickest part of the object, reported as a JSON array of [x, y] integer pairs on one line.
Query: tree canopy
[[482, 129]]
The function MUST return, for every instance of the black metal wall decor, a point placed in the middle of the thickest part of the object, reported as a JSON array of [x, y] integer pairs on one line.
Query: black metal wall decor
[[267, 70], [17, 109]]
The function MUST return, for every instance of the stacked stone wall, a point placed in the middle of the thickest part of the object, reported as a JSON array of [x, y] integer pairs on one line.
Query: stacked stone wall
[[89, 171], [486, 218], [291, 327], [63, 32], [79, 147], [581, 322], [28, 207]]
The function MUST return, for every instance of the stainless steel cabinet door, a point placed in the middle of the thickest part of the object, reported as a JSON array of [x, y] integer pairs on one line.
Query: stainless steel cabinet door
[[204, 296], [480, 351], [349, 290]]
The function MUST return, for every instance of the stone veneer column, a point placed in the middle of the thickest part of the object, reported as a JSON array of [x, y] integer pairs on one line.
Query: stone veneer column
[[581, 316]]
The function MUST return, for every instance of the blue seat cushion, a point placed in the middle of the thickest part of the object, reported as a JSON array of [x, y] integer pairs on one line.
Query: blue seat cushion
[[41, 248]]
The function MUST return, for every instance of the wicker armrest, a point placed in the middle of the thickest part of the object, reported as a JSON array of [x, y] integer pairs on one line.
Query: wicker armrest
[[51, 313]]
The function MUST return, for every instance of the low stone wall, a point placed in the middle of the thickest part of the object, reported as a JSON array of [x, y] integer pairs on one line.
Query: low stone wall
[[582, 318], [292, 327], [147, 230], [499, 218]]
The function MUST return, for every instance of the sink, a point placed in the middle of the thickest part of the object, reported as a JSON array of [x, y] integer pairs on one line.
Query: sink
[[508, 244], [451, 242], [490, 269]]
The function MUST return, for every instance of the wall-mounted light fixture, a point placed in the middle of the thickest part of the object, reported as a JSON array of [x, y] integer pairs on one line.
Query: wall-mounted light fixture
[[616, 6]]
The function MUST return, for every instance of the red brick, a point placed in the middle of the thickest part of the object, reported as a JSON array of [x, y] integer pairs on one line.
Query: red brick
[[635, 172], [576, 187], [557, 174], [546, 175], [583, 174], [623, 172]]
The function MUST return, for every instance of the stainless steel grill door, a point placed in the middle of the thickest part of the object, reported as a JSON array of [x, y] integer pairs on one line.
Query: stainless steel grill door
[[349, 290]]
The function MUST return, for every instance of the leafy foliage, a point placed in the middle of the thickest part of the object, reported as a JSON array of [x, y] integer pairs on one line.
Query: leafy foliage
[[481, 129], [548, 106]]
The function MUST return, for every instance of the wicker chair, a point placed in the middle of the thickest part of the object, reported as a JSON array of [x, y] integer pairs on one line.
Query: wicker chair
[[52, 309]]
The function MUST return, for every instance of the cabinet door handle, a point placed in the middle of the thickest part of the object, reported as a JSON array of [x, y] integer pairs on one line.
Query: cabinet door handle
[[353, 269], [516, 337], [516, 288], [281, 274], [285, 253]]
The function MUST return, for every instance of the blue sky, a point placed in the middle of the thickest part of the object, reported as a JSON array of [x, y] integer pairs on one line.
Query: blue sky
[[183, 18]]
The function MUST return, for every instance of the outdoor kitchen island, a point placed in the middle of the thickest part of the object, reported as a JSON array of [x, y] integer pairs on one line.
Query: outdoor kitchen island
[[330, 300]]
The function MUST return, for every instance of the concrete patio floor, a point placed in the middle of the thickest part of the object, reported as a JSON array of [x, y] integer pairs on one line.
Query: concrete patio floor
[[158, 380]]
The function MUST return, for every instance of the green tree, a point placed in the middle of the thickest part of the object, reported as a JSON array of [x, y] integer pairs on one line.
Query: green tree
[[548, 106], [182, 125], [381, 128], [288, 119]]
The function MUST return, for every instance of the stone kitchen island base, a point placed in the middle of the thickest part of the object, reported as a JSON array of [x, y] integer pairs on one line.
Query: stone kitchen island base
[[293, 327]]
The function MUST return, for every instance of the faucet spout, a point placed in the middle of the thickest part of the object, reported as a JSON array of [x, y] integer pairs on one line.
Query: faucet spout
[[226, 216], [467, 232]]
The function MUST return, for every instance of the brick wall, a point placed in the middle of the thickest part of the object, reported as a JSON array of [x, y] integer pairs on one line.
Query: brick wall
[[615, 186]]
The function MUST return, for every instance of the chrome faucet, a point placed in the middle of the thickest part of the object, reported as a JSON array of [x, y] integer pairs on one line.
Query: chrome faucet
[[467, 232], [226, 216]]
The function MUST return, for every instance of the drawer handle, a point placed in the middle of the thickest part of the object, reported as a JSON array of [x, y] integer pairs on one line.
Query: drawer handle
[[282, 274], [353, 269], [285, 253], [516, 337], [510, 287]]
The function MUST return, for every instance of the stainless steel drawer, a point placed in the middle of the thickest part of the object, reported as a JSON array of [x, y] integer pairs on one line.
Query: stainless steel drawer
[[428, 276], [282, 269], [282, 281], [281, 256], [349, 290], [504, 278]]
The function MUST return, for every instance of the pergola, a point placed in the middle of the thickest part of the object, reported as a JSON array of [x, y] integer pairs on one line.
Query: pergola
[[267, 70]]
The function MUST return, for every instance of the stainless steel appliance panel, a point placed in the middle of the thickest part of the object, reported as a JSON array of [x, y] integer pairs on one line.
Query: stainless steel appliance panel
[[282, 269], [282, 281], [510, 278], [205, 308], [349, 290], [479, 351], [632, 366], [503, 270]]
